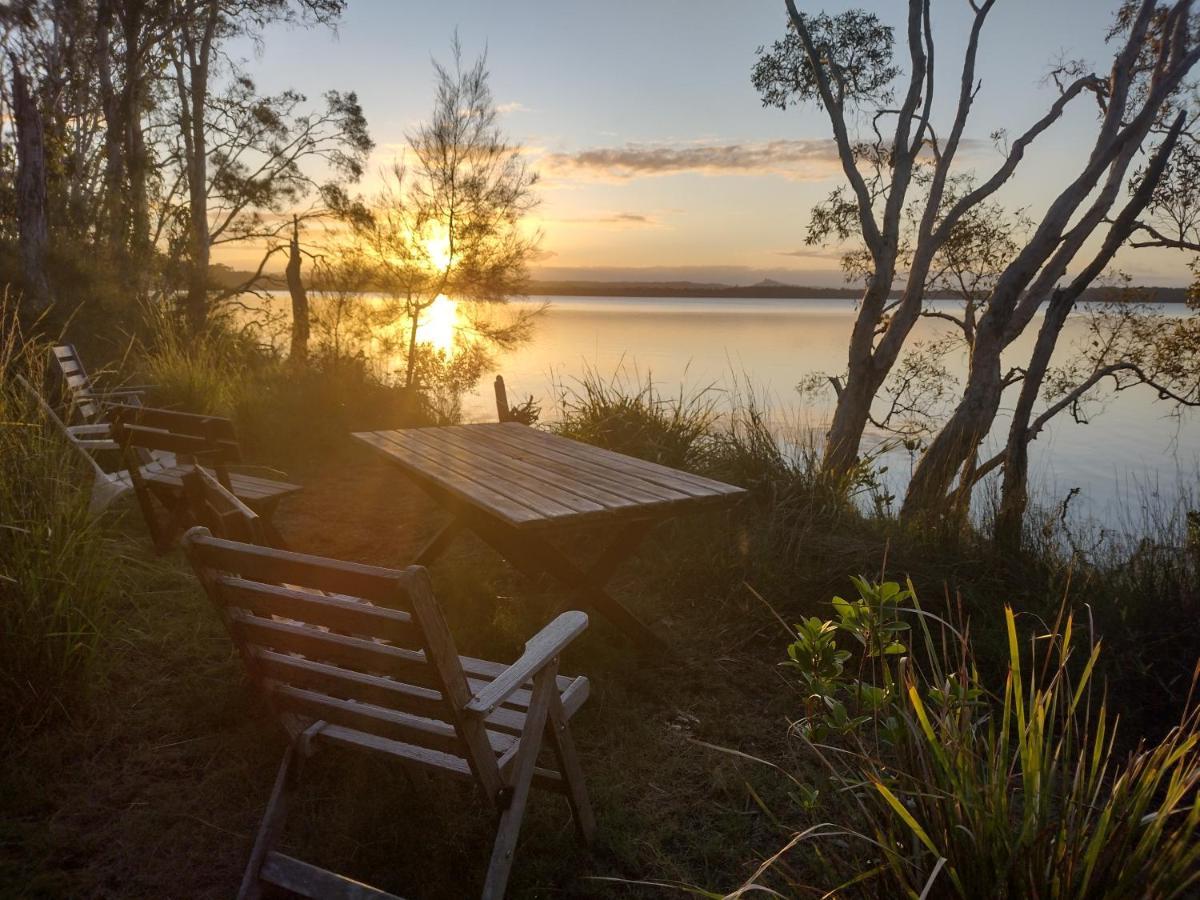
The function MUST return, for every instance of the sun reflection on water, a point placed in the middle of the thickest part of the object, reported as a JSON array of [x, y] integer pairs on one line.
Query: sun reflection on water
[[438, 325]]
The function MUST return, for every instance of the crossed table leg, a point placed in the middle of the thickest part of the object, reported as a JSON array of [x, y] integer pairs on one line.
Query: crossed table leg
[[533, 554]]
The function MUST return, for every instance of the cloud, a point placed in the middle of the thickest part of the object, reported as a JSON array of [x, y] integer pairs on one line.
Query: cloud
[[618, 219], [512, 107], [814, 253], [803, 160]]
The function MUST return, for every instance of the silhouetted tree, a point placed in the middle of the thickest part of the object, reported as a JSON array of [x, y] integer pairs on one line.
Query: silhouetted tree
[[448, 223]]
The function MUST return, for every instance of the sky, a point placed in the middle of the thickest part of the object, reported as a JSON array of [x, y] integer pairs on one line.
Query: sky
[[657, 158]]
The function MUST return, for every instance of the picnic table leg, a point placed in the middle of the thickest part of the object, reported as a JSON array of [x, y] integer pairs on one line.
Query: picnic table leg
[[438, 544], [533, 555]]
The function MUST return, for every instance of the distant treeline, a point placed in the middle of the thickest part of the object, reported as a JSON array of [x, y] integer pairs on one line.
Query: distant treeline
[[794, 291], [224, 276]]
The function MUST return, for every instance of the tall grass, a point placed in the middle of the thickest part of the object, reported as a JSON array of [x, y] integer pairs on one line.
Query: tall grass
[[629, 414], [59, 568]]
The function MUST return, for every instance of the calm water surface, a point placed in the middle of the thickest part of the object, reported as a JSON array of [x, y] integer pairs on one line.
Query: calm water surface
[[1133, 446]]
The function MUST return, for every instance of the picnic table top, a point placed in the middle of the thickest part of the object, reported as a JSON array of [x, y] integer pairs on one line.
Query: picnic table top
[[530, 478]]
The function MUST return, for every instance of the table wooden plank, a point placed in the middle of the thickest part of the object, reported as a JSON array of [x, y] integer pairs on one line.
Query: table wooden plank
[[434, 453], [530, 478], [535, 493], [566, 490], [656, 473], [599, 488], [471, 492], [576, 464]]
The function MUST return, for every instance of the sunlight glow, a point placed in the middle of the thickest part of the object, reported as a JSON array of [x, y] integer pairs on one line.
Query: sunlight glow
[[438, 324]]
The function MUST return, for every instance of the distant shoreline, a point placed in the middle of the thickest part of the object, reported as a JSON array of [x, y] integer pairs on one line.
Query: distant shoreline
[[764, 290], [774, 291]]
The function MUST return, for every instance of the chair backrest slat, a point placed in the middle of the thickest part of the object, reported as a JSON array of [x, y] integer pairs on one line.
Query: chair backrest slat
[[385, 587], [375, 656], [214, 428], [343, 614], [346, 683], [211, 451], [385, 723], [77, 382]]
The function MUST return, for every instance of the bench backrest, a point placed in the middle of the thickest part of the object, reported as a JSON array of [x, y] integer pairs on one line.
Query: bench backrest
[[357, 646], [143, 433], [217, 509], [76, 381]]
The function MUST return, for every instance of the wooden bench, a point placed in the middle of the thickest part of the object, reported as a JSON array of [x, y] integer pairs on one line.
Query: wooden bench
[[191, 440], [360, 657]]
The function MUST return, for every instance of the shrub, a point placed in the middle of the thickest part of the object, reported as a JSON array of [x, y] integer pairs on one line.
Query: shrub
[[959, 791], [59, 568]]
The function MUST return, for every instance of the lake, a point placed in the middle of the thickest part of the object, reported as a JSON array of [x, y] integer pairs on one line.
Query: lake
[[1132, 448]]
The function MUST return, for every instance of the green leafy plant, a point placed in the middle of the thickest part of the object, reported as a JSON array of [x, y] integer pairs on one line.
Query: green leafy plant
[[838, 701]]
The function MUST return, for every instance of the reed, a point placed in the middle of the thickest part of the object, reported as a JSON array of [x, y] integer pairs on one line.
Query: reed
[[59, 568]]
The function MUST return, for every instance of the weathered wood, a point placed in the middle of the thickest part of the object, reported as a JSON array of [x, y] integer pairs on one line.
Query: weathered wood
[[380, 721], [524, 486], [339, 613], [312, 881], [214, 428], [464, 489], [519, 784], [442, 653], [357, 653], [381, 586], [271, 827], [503, 412], [539, 651], [572, 772], [220, 510], [359, 690]]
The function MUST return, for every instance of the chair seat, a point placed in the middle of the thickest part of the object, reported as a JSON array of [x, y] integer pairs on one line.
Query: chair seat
[[320, 691], [250, 489]]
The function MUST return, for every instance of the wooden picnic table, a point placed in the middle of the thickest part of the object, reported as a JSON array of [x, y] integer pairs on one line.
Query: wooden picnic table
[[515, 486]]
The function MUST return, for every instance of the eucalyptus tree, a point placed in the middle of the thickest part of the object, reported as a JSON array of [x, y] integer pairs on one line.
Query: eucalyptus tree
[[238, 152], [448, 221], [847, 65], [1158, 45]]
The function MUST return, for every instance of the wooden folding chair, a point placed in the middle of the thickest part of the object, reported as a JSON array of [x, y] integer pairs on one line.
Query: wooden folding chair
[[192, 440], [88, 439], [83, 399], [360, 657]]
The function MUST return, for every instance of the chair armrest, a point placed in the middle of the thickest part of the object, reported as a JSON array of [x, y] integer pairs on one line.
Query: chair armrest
[[103, 429], [539, 650]]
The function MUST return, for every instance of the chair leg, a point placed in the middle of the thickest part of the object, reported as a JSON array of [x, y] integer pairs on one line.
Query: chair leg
[[572, 772], [544, 690], [272, 824]]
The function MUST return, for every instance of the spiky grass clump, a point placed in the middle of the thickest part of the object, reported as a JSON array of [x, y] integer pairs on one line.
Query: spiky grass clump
[[59, 566]]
